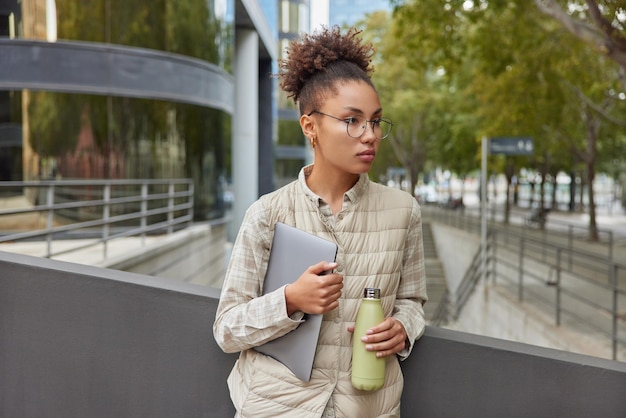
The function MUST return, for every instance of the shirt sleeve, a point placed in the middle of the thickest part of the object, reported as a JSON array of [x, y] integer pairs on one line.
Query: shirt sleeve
[[245, 318], [411, 295]]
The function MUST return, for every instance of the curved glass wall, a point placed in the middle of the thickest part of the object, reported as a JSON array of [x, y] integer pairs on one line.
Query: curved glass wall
[[196, 28], [86, 136], [46, 134], [293, 19]]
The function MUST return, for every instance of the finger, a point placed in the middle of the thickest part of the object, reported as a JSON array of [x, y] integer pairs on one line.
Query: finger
[[322, 267], [329, 294], [386, 347], [396, 333], [379, 337], [395, 350], [334, 281], [386, 325]]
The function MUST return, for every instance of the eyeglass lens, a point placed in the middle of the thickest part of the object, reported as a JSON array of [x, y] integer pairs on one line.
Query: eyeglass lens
[[358, 124]]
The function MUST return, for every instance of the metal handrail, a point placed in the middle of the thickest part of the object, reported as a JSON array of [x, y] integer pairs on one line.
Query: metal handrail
[[440, 314], [471, 278], [570, 262], [171, 209], [527, 277]]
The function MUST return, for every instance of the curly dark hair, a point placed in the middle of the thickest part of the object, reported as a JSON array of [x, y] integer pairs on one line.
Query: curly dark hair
[[316, 62]]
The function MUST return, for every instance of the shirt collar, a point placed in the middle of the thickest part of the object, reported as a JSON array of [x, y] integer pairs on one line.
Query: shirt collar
[[352, 195]]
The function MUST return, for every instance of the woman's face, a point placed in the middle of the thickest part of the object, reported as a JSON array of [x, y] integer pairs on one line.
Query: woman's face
[[335, 150]]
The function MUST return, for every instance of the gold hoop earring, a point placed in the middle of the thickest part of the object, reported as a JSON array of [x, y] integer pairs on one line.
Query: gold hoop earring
[[312, 142]]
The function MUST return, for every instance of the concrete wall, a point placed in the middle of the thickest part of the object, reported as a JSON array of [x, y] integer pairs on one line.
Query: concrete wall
[[81, 341], [455, 374]]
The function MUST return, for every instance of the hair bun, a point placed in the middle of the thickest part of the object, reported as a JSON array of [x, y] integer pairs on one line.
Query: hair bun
[[317, 52]]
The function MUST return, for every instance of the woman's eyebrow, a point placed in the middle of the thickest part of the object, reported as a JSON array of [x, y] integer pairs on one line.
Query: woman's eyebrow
[[357, 110]]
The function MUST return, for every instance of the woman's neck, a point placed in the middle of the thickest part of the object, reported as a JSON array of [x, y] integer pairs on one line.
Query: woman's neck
[[331, 186]]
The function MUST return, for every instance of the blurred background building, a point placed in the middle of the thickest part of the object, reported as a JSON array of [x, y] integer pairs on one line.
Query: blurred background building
[[135, 89], [291, 152], [106, 89]]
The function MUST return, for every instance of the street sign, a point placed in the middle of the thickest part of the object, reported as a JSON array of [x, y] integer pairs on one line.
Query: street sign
[[502, 146], [511, 146]]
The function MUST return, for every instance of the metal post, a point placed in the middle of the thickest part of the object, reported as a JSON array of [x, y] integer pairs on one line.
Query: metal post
[[483, 210], [50, 220], [191, 192], [520, 284], [106, 209], [170, 208], [558, 286], [494, 255], [544, 239], [570, 243], [610, 247], [144, 210], [615, 310]]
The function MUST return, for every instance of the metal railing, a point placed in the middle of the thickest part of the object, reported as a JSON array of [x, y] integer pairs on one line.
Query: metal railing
[[441, 312], [577, 282], [470, 279], [101, 210]]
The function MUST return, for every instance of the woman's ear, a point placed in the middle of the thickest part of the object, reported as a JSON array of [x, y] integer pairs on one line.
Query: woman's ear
[[309, 127]]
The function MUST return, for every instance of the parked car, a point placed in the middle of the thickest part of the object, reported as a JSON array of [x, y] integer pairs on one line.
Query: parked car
[[426, 194]]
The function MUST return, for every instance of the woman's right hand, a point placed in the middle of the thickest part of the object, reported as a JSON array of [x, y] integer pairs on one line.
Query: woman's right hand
[[315, 292]]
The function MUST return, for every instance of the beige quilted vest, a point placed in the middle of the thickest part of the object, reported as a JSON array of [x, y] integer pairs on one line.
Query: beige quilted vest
[[371, 239]]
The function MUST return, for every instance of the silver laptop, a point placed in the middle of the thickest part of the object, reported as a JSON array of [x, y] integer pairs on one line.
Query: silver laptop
[[292, 252]]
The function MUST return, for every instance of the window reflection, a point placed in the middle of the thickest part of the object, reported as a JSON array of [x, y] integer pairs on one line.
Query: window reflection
[[84, 136], [49, 134], [196, 28]]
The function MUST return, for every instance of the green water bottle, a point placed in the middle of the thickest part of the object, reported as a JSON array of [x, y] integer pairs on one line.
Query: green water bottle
[[368, 371]]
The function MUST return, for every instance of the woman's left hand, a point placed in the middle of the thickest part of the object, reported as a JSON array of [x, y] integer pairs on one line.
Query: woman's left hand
[[387, 338]]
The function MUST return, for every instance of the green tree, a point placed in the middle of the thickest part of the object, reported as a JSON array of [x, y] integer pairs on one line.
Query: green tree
[[600, 24], [414, 97], [519, 67]]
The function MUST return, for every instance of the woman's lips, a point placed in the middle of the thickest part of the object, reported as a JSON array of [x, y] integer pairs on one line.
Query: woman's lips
[[367, 155]]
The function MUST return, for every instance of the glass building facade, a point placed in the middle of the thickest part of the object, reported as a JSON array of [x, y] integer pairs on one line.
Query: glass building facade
[[114, 89], [291, 151]]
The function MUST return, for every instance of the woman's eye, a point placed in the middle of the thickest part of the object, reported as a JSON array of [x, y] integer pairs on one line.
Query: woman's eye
[[376, 122], [354, 120]]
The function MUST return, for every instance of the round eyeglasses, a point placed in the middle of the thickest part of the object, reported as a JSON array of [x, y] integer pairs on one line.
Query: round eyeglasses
[[356, 125]]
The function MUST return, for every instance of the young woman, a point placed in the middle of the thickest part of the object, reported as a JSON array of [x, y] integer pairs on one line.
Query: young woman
[[377, 229]]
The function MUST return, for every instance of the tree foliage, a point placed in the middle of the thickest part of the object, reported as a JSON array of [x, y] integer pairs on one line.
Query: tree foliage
[[601, 24], [515, 71]]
